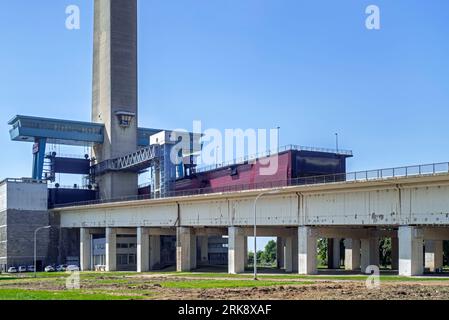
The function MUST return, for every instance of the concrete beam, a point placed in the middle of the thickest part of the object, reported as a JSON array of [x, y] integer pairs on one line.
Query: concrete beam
[[307, 251], [411, 260], [111, 249], [236, 250]]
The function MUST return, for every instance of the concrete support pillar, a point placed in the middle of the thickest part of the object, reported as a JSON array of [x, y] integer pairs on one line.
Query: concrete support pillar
[[334, 256], [352, 254], [85, 249], [411, 257], [204, 249], [433, 254], [185, 249], [288, 254], [155, 252], [236, 250], [394, 253], [307, 251], [143, 249], [111, 249], [246, 252], [369, 253], [280, 252], [295, 252]]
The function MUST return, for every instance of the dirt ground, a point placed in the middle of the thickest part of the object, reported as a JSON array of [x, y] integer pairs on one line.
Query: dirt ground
[[323, 290], [151, 287]]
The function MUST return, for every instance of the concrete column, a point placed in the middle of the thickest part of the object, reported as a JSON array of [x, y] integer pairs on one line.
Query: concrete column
[[295, 253], [246, 252], [185, 249], [307, 251], [236, 250], [411, 257], [193, 252], [280, 252], [333, 249], [369, 253], [204, 243], [352, 254], [394, 253], [143, 250], [288, 254], [111, 249], [155, 252], [85, 249], [433, 254]]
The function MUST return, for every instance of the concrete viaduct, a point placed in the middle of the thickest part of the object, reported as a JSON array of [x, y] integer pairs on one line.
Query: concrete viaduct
[[413, 211]]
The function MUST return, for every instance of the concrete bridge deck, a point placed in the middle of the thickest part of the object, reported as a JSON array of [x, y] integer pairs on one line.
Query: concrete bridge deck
[[408, 209]]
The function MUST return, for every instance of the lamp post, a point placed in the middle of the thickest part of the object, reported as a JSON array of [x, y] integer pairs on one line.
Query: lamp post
[[255, 226], [336, 141], [279, 129], [35, 250]]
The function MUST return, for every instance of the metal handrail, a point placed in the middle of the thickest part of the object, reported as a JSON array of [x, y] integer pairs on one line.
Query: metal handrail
[[358, 176]]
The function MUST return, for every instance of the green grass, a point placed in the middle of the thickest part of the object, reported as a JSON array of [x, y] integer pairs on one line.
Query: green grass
[[22, 294], [219, 284]]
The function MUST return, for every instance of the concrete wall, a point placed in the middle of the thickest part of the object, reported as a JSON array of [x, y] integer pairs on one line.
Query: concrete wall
[[24, 210]]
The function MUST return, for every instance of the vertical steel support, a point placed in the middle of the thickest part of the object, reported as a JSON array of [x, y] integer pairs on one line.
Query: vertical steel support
[[38, 158]]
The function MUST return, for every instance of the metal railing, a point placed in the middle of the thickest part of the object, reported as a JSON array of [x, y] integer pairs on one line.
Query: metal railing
[[359, 176], [269, 153], [22, 180]]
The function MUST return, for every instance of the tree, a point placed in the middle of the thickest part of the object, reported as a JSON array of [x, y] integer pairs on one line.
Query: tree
[[270, 253]]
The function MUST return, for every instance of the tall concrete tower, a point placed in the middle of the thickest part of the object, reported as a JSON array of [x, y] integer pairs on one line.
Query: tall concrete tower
[[114, 101]]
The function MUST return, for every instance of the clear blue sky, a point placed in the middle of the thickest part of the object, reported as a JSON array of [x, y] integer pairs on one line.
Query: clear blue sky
[[310, 67]]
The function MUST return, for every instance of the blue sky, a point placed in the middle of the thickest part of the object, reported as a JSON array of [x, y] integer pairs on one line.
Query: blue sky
[[310, 67]]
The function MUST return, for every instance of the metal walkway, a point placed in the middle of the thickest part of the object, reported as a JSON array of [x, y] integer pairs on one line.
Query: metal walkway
[[134, 162]]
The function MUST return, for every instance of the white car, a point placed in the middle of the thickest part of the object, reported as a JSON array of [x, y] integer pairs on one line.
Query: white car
[[72, 268], [12, 270], [30, 268], [22, 269], [49, 269], [61, 268]]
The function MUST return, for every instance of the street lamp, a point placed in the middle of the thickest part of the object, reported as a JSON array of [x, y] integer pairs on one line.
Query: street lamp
[[279, 129], [35, 251], [255, 226]]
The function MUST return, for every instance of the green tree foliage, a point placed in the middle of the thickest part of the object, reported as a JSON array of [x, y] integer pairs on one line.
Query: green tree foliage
[[322, 251]]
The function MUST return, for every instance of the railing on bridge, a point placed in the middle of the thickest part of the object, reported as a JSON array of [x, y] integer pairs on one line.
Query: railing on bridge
[[359, 176]]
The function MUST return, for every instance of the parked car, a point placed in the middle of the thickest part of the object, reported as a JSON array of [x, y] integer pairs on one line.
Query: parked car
[[72, 268], [30, 268], [22, 269], [61, 268], [49, 269], [12, 270]]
